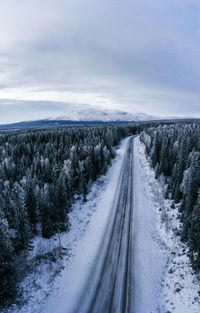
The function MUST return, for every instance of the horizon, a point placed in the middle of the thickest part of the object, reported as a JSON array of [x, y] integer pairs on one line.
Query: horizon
[[172, 118]]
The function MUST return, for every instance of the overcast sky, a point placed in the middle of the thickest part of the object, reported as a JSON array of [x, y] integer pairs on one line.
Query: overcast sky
[[130, 55]]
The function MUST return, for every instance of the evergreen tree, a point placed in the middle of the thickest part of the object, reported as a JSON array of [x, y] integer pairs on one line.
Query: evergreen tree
[[61, 204], [7, 270], [191, 194], [194, 235], [22, 226], [31, 204]]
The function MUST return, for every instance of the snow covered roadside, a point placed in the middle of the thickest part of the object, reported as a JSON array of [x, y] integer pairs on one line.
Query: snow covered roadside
[[179, 286], [55, 285]]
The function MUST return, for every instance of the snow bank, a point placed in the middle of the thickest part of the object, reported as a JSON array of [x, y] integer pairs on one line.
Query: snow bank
[[150, 256]]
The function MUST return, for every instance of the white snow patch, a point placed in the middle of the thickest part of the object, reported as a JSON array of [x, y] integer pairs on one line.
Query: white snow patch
[[150, 257], [55, 286]]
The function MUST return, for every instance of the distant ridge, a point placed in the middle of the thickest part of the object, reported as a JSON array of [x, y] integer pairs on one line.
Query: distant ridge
[[51, 123], [82, 117]]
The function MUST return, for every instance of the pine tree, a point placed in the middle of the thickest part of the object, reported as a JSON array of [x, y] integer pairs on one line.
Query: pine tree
[[7, 270], [154, 154], [181, 165], [194, 235], [31, 204], [45, 208], [22, 227], [191, 194], [61, 208]]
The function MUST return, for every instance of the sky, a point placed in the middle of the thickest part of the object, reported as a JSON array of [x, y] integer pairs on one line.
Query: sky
[[130, 55]]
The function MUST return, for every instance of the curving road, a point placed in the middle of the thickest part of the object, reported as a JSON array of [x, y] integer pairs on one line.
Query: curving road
[[109, 288]]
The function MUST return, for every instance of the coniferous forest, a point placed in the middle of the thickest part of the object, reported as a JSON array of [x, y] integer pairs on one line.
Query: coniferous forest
[[41, 172], [174, 151]]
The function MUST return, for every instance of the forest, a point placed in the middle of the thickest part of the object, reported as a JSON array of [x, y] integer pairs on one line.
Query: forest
[[174, 151], [42, 171]]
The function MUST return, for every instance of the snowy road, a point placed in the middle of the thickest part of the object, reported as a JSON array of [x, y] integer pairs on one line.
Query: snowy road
[[110, 284]]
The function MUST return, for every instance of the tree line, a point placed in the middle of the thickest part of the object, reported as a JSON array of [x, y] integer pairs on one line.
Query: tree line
[[174, 151]]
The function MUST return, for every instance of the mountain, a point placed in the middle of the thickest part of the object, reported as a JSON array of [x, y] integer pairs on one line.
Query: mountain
[[79, 116], [95, 114]]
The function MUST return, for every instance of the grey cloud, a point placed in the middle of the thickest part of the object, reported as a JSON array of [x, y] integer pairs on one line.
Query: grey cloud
[[142, 54]]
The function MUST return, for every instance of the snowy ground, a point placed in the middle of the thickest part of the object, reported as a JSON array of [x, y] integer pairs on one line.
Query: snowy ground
[[55, 286], [164, 281], [178, 287], [150, 256]]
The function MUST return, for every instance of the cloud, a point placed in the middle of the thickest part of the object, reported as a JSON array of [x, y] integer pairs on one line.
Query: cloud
[[138, 55]]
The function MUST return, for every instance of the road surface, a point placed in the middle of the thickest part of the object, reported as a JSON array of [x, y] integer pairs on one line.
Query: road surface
[[109, 288]]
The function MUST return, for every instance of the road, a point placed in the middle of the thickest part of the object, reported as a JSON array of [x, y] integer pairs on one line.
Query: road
[[109, 288]]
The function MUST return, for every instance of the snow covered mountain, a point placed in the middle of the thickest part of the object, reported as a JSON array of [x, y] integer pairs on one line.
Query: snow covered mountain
[[96, 114], [79, 115]]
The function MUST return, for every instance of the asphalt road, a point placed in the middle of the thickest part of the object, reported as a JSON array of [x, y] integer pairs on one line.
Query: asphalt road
[[109, 288]]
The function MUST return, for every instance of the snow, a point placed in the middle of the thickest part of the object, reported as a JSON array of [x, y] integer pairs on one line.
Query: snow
[[55, 286], [177, 287], [150, 257], [106, 115]]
